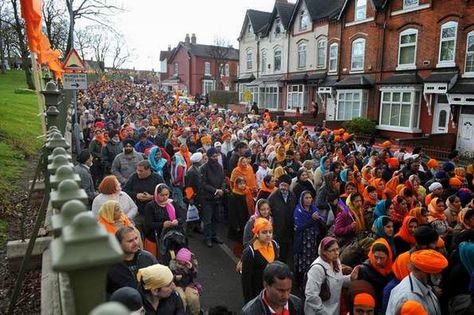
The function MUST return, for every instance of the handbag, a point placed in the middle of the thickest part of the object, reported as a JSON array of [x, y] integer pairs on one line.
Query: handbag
[[325, 291], [192, 213]]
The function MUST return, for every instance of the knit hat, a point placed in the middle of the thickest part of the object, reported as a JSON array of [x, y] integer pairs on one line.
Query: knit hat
[[435, 186], [155, 276], [428, 261], [425, 235], [129, 297], [432, 163], [285, 178], [184, 255], [196, 157], [83, 156], [411, 307]]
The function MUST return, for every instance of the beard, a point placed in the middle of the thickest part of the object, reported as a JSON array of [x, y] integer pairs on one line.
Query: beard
[[128, 151]]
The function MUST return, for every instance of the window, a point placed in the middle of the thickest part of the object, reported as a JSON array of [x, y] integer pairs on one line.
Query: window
[[207, 68], [277, 59], [249, 28], [207, 86], [296, 97], [321, 53], [277, 27], [333, 51], [253, 91], [176, 69], [410, 3], [360, 10], [268, 97], [249, 59], [302, 55], [447, 46], [227, 71], [351, 104], [358, 53], [264, 60], [400, 108], [407, 49], [304, 20], [470, 53]]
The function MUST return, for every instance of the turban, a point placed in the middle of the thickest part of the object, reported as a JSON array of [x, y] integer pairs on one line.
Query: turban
[[324, 133], [448, 167], [217, 144], [260, 224], [226, 136], [285, 179], [364, 299], [393, 162], [100, 125], [184, 255], [337, 138], [455, 182], [211, 151], [411, 307], [432, 163], [429, 261], [206, 140], [435, 186], [128, 141], [155, 276], [196, 157], [340, 131], [346, 136], [440, 174], [387, 144]]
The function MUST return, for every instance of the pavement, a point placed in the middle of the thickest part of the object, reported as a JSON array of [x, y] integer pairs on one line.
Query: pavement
[[216, 273]]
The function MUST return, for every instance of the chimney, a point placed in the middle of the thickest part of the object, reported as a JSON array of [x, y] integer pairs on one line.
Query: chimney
[[186, 39], [169, 47], [193, 39]]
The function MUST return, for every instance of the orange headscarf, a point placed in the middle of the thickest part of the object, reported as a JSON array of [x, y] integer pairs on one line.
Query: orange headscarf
[[400, 266], [434, 214], [267, 252], [404, 233], [416, 212], [376, 182], [183, 149], [367, 199], [365, 172], [387, 269], [246, 172], [265, 188], [391, 186], [106, 217]]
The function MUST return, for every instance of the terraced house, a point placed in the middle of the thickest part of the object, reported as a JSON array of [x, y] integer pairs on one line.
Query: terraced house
[[406, 64]]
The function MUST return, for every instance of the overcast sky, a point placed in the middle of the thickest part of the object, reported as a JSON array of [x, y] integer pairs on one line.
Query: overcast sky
[[151, 25]]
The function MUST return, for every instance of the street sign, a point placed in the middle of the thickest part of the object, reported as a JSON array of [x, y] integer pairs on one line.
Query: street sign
[[75, 81], [74, 62]]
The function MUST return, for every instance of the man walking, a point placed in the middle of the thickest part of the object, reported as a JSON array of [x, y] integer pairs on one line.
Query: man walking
[[125, 163]]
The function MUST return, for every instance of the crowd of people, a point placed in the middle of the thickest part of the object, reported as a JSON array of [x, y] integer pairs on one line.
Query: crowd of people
[[320, 223]]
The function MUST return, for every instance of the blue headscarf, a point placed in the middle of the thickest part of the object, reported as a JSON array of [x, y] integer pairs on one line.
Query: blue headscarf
[[380, 232], [466, 253], [303, 220], [321, 165], [380, 209], [343, 175], [156, 165]]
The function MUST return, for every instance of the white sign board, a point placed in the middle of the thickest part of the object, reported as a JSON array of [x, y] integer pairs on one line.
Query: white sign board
[[75, 81]]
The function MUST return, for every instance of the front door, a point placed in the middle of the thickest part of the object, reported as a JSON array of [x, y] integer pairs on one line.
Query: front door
[[466, 133], [441, 115]]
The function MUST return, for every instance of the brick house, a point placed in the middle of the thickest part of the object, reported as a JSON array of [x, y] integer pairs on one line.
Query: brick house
[[197, 69]]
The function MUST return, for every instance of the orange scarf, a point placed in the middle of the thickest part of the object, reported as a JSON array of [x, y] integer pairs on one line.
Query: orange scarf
[[248, 198], [404, 233], [266, 189], [376, 182], [268, 252], [434, 214], [388, 265], [391, 187], [186, 155], [367, 199], [246, 173], [400, 266]]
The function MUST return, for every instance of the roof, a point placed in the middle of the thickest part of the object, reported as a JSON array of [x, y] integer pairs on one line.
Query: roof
[[441, 76], [463, 86], [321, 9], [164, 54], [318, 77], [298, 77], [354, 81], [245, 78], [285, 10], [378, 4], [329, 81], [268, 79], [206, 51], [258, 19], [410, 78]]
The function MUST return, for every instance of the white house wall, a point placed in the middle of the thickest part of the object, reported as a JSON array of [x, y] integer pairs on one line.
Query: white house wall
[[269, 43], [248, 41]]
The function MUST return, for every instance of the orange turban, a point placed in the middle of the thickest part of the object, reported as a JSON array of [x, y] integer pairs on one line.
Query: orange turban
[[299, 124], [206, 140], [346, 136], [393, 162], [387, 144], [411, 307], [455, 182], [226, 136], [260, 224], [432, 163], [400, 266], [429, 261], [364, 299], [337, 138], [324, 133], [340, 131]]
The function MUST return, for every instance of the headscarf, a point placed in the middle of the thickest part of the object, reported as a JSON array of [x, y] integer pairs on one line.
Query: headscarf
[[400, 265], [428, 261], [387, 269], [279, 157], [261, 224], [412, 307], [466, 253], [267, 252], [343, 175], [380, 191], [391, 186], [155, 276], [257, 213], [278, 172], [417, 213], [404, 232], [380, 232], [434, 214], [367, 199], [248, 196], [324, 171], [365, 172], [397, 214], [336, 265], [380, 208], [156, 165], [169, 204], [357, 216], [106, 217], [183, 149], [303, 220], [265, 188], [246, 172]]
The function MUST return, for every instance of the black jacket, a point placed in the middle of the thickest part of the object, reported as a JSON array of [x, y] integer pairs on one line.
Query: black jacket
[[110, 151], [302, 186], [238, 216], [135, 185], [124, 274], [282, 213], [378, 281], [193, 179], [212, 179], [257, 307], [155, 216], [172, 305]]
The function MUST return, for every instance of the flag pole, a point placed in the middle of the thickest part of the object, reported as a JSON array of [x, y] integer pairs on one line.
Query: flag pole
[[37, 81]]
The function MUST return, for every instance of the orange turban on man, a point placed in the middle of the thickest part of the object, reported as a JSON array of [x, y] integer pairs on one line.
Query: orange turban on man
[[429, 261]]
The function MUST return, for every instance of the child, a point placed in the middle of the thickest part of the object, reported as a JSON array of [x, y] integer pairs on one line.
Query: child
[[263, 171], [184, 268]]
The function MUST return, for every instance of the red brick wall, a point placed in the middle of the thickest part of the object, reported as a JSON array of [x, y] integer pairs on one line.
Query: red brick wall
[[182, 59]]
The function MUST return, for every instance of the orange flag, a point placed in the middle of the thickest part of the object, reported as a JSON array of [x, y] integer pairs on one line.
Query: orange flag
[[31, 13]]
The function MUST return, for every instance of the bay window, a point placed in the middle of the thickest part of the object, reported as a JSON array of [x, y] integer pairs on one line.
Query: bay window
[[400, 108], [296, 97], [351, 104]]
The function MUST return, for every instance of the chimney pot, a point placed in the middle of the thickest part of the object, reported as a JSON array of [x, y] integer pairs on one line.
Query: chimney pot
[[193, 38], [187, 39]]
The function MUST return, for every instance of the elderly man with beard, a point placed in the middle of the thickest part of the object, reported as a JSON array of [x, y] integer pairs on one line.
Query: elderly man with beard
[[212, 192], [125, 163]]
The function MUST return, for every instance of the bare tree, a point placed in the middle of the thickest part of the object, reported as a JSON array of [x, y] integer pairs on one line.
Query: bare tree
[[120, 54], [3, 69], [219, 52], [98, 11], [100, 43], [55, 23]]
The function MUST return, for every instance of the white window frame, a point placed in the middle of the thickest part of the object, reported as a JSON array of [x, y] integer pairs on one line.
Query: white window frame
[[299, 91], [467, 73], [269, 96], [176, 69], [360, 9], [263, 60], [447, 63], [278, 49], [207, 68], [301, 52], [227, 70], [205, 86], [408, 4], [333, 59], [363, 101], [415, 108], [321, 49], [407, 32], [304, 21], [354, 42], [249, 54]]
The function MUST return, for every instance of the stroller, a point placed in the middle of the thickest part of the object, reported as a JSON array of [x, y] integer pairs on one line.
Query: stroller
[[169, 244]]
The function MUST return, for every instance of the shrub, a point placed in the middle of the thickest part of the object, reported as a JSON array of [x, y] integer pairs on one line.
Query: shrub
[[360, 125], [223, 97]]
